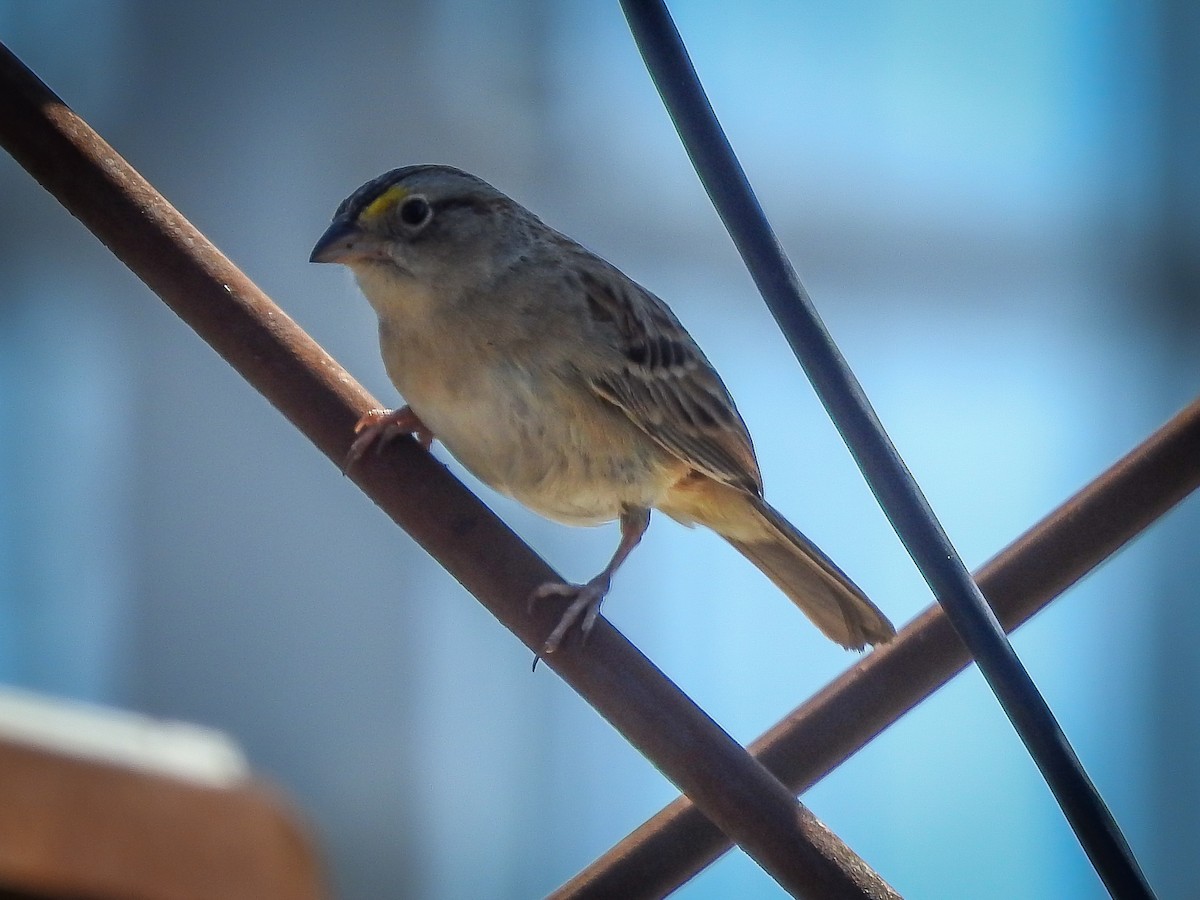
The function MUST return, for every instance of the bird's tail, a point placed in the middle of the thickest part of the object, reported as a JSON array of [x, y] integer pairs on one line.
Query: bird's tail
[[797, 566]]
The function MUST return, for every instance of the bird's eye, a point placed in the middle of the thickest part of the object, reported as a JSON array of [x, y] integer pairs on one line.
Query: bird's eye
[[415, 212]]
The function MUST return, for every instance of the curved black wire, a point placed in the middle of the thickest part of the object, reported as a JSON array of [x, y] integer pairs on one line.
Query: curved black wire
[[898, 493]]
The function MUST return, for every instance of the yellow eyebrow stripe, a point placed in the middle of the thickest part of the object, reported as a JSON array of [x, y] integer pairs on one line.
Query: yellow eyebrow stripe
[[384, 202]]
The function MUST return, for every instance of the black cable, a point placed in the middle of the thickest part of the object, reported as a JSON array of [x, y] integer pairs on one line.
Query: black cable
[[893, 485]]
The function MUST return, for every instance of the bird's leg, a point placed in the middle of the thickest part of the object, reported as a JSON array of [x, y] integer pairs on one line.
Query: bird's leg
[[585, 599], [379, 426]]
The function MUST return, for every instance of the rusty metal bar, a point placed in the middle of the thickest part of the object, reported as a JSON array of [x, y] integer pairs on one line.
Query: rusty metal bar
[[899, 495], [271, 352], [834, 724]]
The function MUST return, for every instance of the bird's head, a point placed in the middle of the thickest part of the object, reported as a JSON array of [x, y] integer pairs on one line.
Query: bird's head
[[424, 224]]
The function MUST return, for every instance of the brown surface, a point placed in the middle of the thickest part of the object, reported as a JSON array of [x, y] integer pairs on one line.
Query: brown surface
[[82, 829]]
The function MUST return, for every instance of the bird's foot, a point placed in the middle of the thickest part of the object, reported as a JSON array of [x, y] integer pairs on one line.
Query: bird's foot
[[582, 609], [378, 427]]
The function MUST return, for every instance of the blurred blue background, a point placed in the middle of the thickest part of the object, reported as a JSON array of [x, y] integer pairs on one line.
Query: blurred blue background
[[996, 208]]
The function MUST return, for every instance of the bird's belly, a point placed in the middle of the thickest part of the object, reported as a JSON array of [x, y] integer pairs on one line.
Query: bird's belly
[[564, 453]]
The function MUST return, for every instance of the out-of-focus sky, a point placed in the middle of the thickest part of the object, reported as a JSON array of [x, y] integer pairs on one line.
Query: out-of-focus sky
[[997, 211]]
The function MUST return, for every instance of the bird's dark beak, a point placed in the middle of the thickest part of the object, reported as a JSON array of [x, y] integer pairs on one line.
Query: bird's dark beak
[[344, 242]]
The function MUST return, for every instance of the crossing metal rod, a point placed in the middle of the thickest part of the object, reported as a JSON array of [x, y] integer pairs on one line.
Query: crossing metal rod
[[834, 724], [318, 396], [898, 493]]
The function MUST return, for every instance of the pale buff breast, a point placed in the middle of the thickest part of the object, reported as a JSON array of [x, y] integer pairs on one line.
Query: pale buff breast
[[522, 429], [566, 456]]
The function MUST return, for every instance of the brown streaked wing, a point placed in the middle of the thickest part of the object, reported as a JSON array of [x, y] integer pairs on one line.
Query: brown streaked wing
[[665, 384]]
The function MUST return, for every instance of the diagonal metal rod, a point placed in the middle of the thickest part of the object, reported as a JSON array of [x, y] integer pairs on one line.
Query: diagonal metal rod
[[834, 724], [284, 364], [893, 485]]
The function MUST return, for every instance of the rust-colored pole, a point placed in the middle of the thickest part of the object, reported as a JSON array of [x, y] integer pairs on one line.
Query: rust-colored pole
[[818, 736], [321, 399]]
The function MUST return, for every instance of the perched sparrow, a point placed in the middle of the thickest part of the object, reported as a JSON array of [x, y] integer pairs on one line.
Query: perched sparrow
[[560, 382]]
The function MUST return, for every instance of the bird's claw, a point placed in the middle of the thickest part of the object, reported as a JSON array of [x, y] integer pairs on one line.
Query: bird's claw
[[583, 609], [379, 427]]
